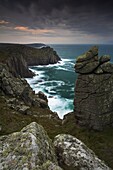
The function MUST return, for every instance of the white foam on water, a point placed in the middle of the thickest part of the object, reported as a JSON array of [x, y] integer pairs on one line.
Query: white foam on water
[[37, 72], [39, 75], [59, 105], [58, 83], [64, 69], [55, 102]]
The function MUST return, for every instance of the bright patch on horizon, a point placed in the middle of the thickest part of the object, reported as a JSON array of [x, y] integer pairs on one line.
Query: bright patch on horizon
[[34, 31]]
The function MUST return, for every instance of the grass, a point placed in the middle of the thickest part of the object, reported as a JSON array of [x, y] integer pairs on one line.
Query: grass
[[11, 121], [100, 142]]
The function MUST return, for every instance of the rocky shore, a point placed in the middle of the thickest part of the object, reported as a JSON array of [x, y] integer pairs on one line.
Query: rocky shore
[[24, 144], [18, 57]]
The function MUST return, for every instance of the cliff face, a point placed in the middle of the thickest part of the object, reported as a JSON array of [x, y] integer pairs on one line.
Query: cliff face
[[21, 95], [18, 66], [44, 56], [19, 57], [93, 103]]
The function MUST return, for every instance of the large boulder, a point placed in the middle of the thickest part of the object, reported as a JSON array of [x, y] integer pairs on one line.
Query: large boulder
[[73, 154], [93, 103], [29, 149]]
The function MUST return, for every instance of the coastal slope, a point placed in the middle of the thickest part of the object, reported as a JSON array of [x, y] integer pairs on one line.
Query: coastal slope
[[19, 106]]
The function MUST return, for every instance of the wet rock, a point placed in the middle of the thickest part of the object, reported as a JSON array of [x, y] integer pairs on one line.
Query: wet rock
[[74, 154]]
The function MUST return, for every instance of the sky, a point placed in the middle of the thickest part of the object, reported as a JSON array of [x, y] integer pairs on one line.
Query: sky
[[56, 21]]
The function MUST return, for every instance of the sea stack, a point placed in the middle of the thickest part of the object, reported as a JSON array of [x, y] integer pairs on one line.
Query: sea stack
[[93, 102]]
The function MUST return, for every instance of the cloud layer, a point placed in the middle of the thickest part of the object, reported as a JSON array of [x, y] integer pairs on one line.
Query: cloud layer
[[60, 21]]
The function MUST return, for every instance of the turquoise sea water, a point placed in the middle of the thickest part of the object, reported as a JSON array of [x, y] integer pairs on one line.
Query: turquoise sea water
[[57, 81]]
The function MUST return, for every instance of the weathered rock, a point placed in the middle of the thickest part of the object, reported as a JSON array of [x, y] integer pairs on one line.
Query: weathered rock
[[20, 90], [24, 109], [18, 66], [41, 95], [18, 57], [98, 71], [73, 154], [94, 95], [43, 103], [88, 55], [93, 100], [87, 68], [107, 67], [49, 166], [87, 62], [28, 149], [104, 58]]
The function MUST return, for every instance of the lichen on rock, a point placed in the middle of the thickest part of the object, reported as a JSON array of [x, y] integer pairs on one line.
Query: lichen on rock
[[73, 154], [27, 149], [93, 103]]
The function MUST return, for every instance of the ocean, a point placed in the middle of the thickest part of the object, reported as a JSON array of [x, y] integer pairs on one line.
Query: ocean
[[58, 81]]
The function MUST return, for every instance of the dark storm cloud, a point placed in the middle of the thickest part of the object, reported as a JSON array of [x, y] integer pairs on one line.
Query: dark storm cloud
[[93, 17]]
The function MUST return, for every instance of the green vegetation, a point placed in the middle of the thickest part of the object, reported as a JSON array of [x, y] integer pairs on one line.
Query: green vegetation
[[100, 142], [11, 121]]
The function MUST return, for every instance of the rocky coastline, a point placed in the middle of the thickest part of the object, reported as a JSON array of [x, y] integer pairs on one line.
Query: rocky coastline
[[18, 57], [24, 144]]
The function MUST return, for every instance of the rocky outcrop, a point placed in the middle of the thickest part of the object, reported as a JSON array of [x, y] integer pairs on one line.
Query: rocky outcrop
[[44, 56], [73, 154], [32, 149], [19, 57], [21, 95], [29, 149], [93, 103]]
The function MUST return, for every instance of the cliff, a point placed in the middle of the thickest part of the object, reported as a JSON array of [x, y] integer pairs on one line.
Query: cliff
[[21, 95], [93, 103], [19, 106], [19, 57]]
